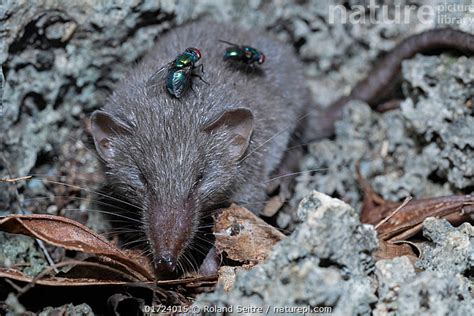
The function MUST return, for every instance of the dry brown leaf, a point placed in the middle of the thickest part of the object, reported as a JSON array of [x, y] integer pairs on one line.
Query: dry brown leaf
[[388, 250], [408, 220], [396, 221], [243, 236], [67, 280], [63, 232], [60, 281], [108, 266]]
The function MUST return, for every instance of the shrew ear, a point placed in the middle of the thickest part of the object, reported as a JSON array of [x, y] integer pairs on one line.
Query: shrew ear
[[104, 127], [239, 124]]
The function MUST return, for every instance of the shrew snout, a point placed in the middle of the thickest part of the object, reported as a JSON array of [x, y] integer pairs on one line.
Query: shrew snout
[[170, 232], [165, 263]]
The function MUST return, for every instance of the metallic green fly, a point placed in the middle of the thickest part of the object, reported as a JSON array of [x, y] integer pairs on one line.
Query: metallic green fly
[[179, 72]]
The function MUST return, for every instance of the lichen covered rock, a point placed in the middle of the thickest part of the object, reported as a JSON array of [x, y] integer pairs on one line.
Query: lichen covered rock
[[423, 149], [427, 293], [325, 262], [451, 249]]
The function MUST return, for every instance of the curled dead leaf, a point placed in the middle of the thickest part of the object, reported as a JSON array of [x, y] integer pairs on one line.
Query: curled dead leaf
[[389, 250], [63, 232], [396, 221], [409, 219], [243, 236]]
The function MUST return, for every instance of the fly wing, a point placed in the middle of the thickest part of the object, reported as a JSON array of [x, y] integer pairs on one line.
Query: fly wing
[[228, 43], [158, 77]]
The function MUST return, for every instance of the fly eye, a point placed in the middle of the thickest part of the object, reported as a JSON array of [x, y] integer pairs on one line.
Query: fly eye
[[198, 53]]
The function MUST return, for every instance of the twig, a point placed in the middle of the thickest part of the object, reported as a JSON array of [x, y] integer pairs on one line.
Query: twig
[[22, 210], [405, 202], [55, 267], [9, 180], [13, 285], [46, 254]]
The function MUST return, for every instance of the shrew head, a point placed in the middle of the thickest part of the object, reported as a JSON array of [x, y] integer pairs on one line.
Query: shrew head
[[176, 167]]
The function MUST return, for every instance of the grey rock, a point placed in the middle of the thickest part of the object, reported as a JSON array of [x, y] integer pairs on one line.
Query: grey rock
[[14, 305], [391, 275], [69, 309], [325, 262], [424, 149], [2, 81], [451, 250], [434, 293], [21, 252], [58, 56], [401, 292], [443, 288]]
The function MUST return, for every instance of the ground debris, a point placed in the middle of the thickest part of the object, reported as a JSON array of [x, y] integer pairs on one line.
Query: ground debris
[[104, 267], [243, 236], [395, 221]]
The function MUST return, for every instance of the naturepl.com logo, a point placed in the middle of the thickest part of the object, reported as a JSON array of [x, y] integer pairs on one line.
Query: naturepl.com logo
[[374, 13]]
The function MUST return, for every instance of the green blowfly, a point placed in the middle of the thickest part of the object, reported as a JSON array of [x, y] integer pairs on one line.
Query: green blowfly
[[245, 54], [179, 72]]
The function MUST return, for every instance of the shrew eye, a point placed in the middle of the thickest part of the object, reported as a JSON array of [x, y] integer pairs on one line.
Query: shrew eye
[[196, 184], [199, 178], [142, 178]]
